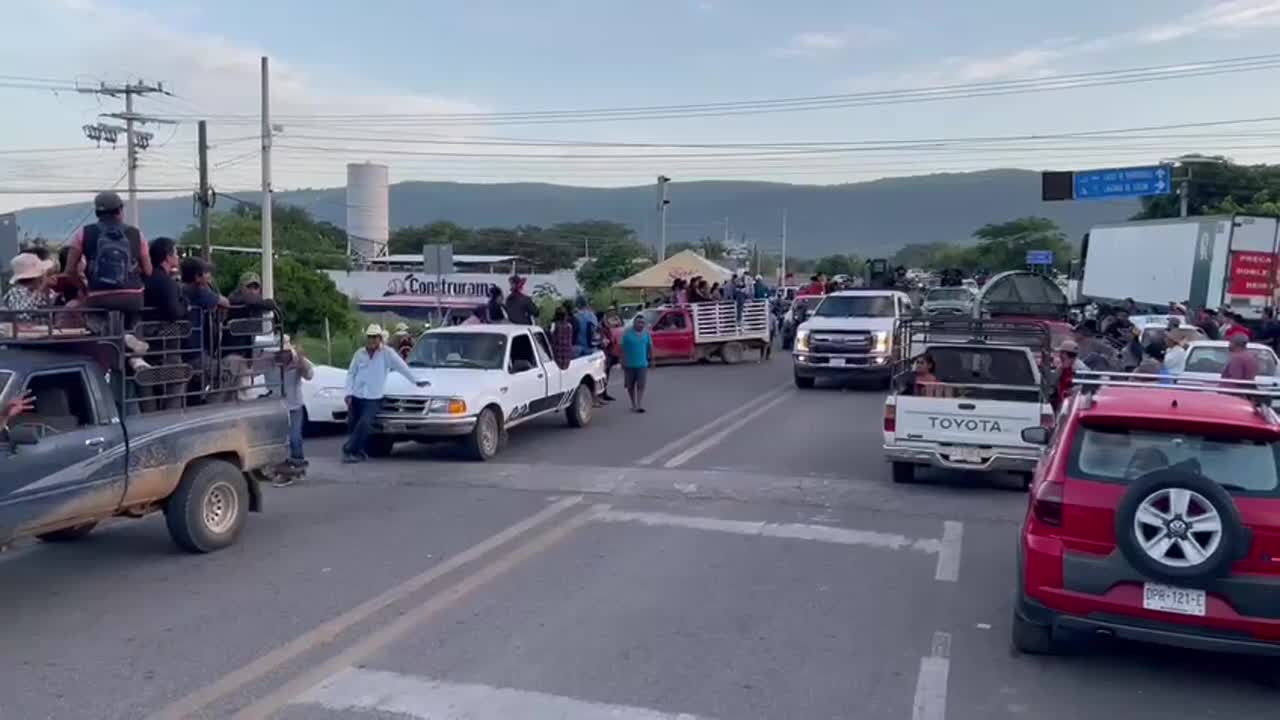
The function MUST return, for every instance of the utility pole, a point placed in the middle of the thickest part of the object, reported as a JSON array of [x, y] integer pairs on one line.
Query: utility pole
[[135, 140], [663, 202], [726, 232], [1184, 192], [782, 269], [204, 199], [268, 259]]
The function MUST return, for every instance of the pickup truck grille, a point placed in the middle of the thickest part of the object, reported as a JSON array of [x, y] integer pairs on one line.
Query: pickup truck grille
[[403, 406], [840, 342], [946, 311]]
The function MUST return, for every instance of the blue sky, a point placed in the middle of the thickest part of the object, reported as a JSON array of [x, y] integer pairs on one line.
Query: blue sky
[[414, 59]]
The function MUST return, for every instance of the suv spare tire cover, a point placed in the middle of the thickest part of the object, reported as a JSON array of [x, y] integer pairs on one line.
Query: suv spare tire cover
[[1218, 561]]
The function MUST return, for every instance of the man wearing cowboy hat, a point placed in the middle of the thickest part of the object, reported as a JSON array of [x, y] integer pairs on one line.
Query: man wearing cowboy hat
[[365, 386], [28, 291], [404, 341]]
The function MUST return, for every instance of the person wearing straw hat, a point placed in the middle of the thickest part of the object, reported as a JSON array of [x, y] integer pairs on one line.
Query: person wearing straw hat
[[365, 386], [404, 340], [28, 291]]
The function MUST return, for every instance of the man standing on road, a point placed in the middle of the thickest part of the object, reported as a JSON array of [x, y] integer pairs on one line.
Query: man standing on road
[[366, 382], [296, 369], [637, 356]]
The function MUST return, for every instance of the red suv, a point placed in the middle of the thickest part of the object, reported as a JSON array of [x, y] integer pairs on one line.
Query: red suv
[[1154, 515]]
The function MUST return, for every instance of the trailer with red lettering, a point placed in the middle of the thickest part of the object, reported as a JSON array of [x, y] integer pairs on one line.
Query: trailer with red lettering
[[1210, 261]]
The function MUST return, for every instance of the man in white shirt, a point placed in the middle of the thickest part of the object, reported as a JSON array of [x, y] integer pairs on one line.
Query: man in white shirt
[[1175, 357], [366, 381]]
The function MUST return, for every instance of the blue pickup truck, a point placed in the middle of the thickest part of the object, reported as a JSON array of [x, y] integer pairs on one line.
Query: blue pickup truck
[[96, 446]]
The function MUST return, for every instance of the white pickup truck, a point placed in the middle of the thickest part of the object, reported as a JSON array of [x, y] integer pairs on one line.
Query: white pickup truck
[[984, 391], [483, 380], [850, 334]]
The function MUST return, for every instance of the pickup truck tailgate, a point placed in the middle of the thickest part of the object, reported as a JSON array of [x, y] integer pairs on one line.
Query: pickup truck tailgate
[[958, 421]]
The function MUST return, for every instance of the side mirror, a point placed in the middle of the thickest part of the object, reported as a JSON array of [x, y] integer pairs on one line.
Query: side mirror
[[1035, 435], [519, 366], [24, 435]]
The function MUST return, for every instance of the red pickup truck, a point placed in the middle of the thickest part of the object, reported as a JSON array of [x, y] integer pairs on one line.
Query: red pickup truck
[[703, 331]]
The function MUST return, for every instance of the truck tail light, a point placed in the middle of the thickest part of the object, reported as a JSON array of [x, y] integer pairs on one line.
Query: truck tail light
[[1046, 505], [890, 418]]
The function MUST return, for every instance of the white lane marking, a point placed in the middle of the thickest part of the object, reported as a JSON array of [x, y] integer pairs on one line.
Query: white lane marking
[[708, 427], [376, 690], [356, 654], [792, 531], [719, 437], [330, 630], [949, 558], [931, 684]]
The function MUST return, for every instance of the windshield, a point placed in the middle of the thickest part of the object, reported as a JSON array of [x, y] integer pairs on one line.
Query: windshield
[[470, 350], [1122, 455], [949, 295], [650, 316], [982, 366], [1214, 359], [855, 306]]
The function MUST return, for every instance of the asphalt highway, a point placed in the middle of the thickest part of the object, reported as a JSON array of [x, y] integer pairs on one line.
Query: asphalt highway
[[737, 552]]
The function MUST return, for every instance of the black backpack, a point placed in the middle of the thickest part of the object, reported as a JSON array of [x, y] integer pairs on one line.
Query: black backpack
[[110, 251]]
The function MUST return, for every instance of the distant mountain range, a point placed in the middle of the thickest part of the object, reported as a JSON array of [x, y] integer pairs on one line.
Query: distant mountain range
[[867, 218]]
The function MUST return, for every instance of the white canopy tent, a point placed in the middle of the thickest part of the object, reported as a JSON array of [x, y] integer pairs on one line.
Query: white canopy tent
[[685, 264]]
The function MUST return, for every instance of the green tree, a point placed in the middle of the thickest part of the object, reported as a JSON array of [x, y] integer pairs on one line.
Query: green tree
[[1217, 188], [614, 262], [920, 255], [294, 232], [833, 265], [1004, 246]]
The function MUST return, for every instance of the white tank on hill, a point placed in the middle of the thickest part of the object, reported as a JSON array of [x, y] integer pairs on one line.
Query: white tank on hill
[[368, 210]]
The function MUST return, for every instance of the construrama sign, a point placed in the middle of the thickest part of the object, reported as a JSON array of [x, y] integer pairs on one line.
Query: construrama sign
[[414, 285]]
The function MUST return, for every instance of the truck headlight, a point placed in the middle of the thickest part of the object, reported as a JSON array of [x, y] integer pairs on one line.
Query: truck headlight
[[802, 340], [447, 406], [881, 341]]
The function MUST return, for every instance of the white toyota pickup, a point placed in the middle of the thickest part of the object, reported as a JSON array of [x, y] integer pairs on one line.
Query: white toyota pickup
[[483, 381], [969, 412]]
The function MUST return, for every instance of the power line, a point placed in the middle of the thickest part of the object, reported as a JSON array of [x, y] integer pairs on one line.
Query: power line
[[817, 102]]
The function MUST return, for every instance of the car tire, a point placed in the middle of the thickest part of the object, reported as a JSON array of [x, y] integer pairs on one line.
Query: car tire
[[732, 353], [69, 534], [380, 446], [579, 411], [804, 383], [1149, 490], [486, 437], [209, 508], [904, 473], [1030, 638]]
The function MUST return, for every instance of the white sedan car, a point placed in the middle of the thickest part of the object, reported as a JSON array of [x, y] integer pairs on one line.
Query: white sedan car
[[323, 396], [1207, 358]]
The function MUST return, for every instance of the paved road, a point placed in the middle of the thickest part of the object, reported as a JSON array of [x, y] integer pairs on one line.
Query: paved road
[[738, 552]]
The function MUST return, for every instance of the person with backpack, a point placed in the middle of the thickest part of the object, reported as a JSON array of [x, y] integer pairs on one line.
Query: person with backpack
[[116, 260]]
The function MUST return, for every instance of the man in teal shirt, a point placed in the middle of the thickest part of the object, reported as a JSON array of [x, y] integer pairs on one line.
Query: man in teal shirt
[[637, 356]]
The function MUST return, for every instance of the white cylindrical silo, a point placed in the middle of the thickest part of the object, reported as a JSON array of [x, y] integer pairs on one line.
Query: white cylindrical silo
[[368, 209]]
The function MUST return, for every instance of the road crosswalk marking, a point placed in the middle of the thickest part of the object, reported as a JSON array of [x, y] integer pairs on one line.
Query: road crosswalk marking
[[358, 689], [792, 531]]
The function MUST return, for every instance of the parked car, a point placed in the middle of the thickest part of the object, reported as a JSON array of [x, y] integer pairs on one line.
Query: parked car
[[93, 449], [1154, 516], [850, 335], [948, 301], [706, 331], [1207, 358], [324, 397], [482, 381]]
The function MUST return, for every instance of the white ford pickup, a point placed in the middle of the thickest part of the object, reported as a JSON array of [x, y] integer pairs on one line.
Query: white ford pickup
[[963, 402], [483, 380]]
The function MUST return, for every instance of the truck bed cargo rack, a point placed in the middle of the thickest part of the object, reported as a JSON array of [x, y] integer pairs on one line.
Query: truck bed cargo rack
[[1034, 335], [167, 373]]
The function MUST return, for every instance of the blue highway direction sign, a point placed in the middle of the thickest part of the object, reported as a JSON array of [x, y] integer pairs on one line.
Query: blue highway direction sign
[[1123, 182], [1039, 257]]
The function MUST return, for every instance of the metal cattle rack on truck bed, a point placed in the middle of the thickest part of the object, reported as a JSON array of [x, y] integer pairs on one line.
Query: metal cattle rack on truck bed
[[159, 364], [915, 337]]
